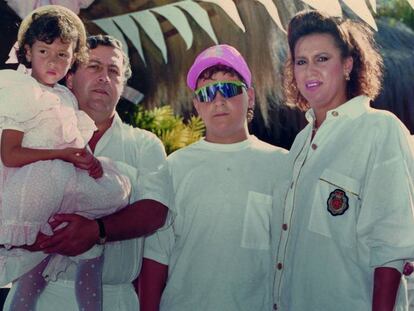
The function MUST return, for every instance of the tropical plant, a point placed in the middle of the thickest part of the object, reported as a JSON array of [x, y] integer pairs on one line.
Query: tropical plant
[[173, 131], [398, 10]]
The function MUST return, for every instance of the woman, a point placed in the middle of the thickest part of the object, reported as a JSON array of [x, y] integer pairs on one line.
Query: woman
[[348, 215]]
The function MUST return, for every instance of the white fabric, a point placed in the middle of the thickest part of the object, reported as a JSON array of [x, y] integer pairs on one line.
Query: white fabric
[[142, 153], [218, 248], [33, 193], [328, 261]]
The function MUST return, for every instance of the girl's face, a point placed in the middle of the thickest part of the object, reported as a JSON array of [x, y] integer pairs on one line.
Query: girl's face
[[50, 62], [320, 72]]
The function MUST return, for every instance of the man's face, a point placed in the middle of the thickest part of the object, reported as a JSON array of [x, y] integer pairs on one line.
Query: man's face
[[98, 84]]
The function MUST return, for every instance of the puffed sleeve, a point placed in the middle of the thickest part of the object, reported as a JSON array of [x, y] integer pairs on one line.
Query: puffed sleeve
[[19, 99], [386, 221], [86, 125]]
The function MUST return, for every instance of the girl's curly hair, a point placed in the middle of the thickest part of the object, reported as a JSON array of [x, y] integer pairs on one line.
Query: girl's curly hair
[[49, 25], [352, 39]]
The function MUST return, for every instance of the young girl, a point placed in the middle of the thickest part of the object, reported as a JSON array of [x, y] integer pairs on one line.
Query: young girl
[[46, 168]]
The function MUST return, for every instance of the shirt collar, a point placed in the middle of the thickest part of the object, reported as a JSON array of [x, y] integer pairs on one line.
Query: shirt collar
[[116, 121], [353, 108]]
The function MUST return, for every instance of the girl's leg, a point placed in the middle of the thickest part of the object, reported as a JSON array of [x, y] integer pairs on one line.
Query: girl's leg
[[88, 286], [29, 287]]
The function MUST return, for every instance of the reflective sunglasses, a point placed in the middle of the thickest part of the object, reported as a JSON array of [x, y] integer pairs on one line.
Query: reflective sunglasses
[[227, 89]]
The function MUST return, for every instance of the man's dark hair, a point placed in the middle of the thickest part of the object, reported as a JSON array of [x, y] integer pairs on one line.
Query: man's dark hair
[[105, 40]]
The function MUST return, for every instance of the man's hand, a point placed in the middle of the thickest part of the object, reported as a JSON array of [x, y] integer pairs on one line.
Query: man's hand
[[41, 238], [78, 236]]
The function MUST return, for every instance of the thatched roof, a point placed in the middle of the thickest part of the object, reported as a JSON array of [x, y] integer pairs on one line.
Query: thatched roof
[[397, 41]]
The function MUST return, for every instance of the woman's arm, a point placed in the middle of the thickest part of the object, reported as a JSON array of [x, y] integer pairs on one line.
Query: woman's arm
[[14, 155], [150, 284], [386, 283]]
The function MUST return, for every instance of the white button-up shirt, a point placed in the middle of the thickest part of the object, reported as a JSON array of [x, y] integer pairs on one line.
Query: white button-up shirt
[[349, 209]]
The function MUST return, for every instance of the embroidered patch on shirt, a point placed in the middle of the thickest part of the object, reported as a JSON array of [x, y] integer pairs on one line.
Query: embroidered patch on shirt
[[337, 202]]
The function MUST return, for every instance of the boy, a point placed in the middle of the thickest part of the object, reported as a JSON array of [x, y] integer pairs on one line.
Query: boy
[[216, 255]]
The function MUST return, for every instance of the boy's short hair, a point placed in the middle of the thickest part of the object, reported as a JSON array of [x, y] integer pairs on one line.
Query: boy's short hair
[[221, 54], [211, 71]]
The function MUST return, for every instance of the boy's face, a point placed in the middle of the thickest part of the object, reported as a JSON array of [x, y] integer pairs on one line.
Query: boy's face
[[225, 118]]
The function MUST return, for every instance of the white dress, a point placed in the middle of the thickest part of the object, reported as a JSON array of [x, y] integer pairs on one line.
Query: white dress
[[31, 194]]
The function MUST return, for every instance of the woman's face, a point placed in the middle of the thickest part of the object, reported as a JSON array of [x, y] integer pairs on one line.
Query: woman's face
[[320, 72]]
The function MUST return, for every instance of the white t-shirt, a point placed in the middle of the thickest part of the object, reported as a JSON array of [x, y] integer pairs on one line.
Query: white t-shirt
[[349, 210], [218, 248], [139, 154]]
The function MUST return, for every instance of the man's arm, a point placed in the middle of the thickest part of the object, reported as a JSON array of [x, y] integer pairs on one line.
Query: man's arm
[[151, 284], [138, 219], [386, 283]]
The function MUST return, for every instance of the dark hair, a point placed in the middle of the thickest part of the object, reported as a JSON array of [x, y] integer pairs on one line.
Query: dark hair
[[209, 72], [105, 40], [352, 39], [47, 27]]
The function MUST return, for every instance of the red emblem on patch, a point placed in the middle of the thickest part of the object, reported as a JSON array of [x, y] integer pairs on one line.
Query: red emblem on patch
[[337, 202]]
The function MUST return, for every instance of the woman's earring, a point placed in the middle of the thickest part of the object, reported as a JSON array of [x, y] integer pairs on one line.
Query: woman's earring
[[347, 78], [250, 114]]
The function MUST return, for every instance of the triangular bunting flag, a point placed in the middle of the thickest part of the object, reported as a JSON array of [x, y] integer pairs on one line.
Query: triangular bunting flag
[[177, 18]]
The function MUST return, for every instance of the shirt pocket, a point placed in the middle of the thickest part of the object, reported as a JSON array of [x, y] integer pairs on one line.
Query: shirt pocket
[[335, 207], [256, 225]]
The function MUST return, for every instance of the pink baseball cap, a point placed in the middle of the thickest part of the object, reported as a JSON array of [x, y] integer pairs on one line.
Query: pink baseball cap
[[221, 54]]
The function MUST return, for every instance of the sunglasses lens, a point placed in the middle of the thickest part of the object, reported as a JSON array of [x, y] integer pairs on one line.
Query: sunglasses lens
[[230, 89], [207, 93]]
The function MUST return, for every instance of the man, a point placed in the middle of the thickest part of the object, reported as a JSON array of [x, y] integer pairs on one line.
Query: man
[[98, 86]]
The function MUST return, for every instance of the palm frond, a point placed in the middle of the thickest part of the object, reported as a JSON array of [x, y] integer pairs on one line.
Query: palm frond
[[170, 128]]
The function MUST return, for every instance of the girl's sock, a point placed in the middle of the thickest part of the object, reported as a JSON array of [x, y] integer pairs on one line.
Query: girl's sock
[[29, 287], [88, 286]]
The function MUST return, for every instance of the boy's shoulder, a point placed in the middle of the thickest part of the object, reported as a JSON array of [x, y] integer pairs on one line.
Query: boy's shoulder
[[253, 144], [187, 150], [263, 146]]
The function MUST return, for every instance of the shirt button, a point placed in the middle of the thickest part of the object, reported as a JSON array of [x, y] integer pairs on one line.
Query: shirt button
[[314, 146], [279, 266], [274, 306], [284, 227], [335, 113]]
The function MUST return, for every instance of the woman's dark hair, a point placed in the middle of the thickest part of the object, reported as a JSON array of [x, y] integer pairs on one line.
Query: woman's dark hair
[[47, 27], [352, 39]]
